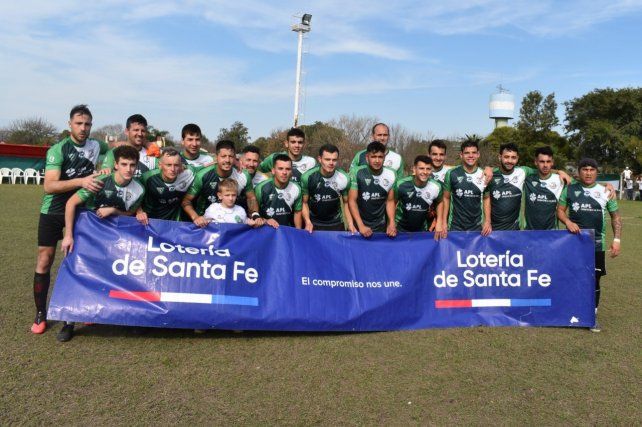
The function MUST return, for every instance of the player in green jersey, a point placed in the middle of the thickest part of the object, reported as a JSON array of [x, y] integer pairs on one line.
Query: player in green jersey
[[542, 191], [294, 144], [324, 188], [203, 190], [415, 195], [70, 165], [381, 133], [249, 162], [192, 154], [463, 189], [165, 188], [280, 198], [583, 205], [371, 198], [121, 194], [136, 133]]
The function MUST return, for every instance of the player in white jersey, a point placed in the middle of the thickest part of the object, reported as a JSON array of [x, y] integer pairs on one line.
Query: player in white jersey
[[192, 154]]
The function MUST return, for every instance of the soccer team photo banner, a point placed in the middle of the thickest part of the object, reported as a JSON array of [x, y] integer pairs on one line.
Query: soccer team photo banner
[[174, 275]]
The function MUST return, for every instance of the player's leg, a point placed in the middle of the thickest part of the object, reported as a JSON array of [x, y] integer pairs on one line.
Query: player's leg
[[49, 233]]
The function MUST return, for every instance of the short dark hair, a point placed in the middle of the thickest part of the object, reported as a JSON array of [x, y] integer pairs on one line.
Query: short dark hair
[[328, 148], [509, 146], [225, 144], [424, 159], [372, 131], [190, 129], [251, 149], [281, 158], [126, 151], [587, 162], [81, 109], [439, 143], [469, 143], [375, 147], [169, 152], [136, 118], [545, 150], [295, 132]]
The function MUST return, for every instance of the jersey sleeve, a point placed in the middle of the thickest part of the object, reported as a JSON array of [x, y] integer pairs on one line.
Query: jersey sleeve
[[197, 185], [304, 182], [441, 191], [298, 204], [355, 162], [108, 162], [104, 147], [84, 194], [266, 165], [447, 180], [611, 206], [348, 183], [400, 172], [54, 157], [248, 182], [353, 179], [138, 201], [528, 170], [562, 200]]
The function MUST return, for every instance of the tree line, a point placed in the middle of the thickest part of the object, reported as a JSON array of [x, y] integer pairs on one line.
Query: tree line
[[605, 124]]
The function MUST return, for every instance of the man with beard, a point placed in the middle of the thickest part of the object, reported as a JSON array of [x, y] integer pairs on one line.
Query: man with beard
[[204, 188], [381, 133], [280, 198], [324, 188], [371, 198], [249, 162], [415, 195], [294, 143], [542, 191], [136, 133]]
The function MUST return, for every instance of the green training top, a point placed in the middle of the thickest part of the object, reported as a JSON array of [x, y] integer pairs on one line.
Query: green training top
[[413, 203], [393, 160], [145, 162], [372, 194], [540, 201], [126, 198], [466, 190], [299, 167], [279, 203], [203, 158], [205, 186], [73, 161], [163, 199], [505, 192], [587, 207], [324, 195]]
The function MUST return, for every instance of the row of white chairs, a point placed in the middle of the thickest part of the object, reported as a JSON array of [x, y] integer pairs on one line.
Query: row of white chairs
[[17, 174]]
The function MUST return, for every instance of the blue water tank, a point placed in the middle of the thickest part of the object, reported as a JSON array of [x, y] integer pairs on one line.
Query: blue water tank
[[502, 105]]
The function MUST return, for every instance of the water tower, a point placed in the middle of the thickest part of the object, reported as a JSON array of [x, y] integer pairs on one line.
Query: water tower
[[501, 106]]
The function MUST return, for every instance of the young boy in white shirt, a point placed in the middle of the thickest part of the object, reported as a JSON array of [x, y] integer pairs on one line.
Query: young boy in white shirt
[[227, 211]]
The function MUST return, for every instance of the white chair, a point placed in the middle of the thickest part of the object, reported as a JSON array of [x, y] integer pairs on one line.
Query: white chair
[[30, 174], [5, 173], [40, 176], [16, 173]]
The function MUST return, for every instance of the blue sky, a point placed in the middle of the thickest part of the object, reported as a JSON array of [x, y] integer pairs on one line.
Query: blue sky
[[429, 66]]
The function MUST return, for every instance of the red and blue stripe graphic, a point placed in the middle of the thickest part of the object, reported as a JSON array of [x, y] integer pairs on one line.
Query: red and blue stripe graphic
[[497, 302], [184, 297]]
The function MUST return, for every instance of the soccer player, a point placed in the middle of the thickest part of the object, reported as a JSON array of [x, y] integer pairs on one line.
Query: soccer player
[[542, 191], [414, 196], [587, 202], [324, 188], [371, 198], [437, 152], [165, 188], [192, 155], [204, 186], [70, 165], [120, 195], [227, 211], [381, 133], [250, 160], [280, 198], [463, 189], [294, 143], [136, 133]]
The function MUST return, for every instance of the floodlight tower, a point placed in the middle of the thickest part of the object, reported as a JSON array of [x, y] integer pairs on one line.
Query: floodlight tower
[[300, 28], [501, 106]]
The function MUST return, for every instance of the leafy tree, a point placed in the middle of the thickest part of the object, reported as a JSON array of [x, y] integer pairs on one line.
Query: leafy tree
[[237, 133], [606, 124], [116, 130], [32, 131], [537, 114]]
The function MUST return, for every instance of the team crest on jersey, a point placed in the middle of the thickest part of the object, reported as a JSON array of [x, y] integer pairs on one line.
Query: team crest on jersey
[[386, 182], [497, 194], [376, 181], [535, 184], [109, 193], [410, 193], [269, 211], [596, 194], [577, 193], [533, 197], [552, 186], [459, 192], [271, 197], [287, 197], [365, 196], [478, 181], [302, 167], [460, 178], [128, 196], [387, 163], [237, 219], [160, 189], [498, 180], [576, 206], [367, 180]]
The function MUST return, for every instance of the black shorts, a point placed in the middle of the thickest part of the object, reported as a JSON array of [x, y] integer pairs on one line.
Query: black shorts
[[600, 264], [50, 229], [338, 227]]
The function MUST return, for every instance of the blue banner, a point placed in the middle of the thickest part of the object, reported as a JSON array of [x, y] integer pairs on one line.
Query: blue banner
[[175, 275]]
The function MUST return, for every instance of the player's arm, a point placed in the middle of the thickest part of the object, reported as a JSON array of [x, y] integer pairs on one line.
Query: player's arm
[[70, 214], [616, 224], [440, 224], [445, 209], [305, 212], [187, 206], [488, 174], [298, 207], [563, 217], [354, 210], [391, 206], [347, 215], [487, 227], [54, 185]]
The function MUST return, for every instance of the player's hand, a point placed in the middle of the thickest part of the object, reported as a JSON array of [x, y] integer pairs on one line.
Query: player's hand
[[89, 183], [67, 245], [141, 216], [614, 249], [272, 223], [610, 191], [104, 171], [433, 226], [488, 174], [352, 229], [440, 232], [105, 212], [486, 228], [250, 222], [308, 227], [259, 222], [201, 221], [365, 231], [391, 230], [572, 227], [566, 178]]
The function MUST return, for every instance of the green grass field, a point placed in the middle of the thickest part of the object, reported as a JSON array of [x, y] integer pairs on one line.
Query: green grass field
[[107, 375]]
